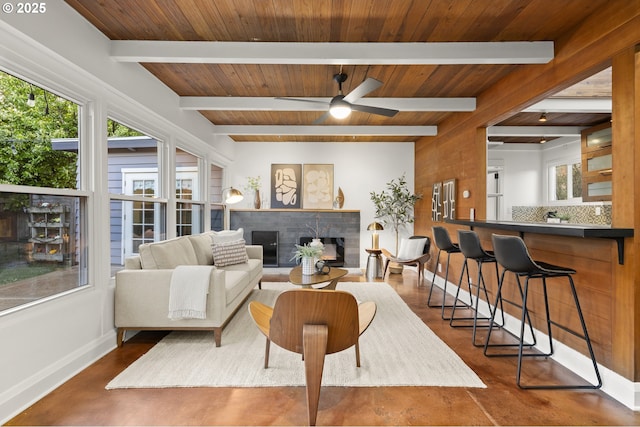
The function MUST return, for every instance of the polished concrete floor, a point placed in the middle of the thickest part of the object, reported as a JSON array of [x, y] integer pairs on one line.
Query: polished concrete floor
[[83, 399]]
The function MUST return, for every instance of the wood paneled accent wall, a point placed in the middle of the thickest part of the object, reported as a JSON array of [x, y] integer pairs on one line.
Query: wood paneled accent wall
[[610, 292]]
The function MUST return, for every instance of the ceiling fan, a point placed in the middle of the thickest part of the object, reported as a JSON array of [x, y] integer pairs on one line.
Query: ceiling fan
[[341, 105]]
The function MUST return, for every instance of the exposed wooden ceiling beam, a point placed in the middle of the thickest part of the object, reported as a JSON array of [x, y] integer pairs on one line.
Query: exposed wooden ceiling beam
[[539, 52], [534, 131], [326, 130], [231, 103], [571, 105]]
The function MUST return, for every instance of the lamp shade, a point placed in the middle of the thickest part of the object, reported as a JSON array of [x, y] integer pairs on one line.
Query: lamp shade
[[232, 195], [375, 226]]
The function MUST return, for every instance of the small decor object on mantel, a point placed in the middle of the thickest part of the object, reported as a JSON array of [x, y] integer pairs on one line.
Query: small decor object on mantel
[[339, 203], [307, 256], [253, 184]]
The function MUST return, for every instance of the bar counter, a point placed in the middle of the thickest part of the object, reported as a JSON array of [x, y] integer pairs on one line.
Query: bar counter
[[570, 230]]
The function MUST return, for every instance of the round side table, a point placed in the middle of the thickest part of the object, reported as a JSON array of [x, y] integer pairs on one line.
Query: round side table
[[374, 264]]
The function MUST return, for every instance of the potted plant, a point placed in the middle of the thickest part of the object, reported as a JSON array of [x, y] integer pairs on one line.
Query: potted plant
[[394, 207], [307, 256]]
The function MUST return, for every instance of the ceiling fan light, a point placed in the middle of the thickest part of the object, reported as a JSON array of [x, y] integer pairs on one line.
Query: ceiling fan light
[[340, 109]]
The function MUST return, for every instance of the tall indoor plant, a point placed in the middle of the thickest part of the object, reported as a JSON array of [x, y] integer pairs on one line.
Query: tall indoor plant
[[394, 206]]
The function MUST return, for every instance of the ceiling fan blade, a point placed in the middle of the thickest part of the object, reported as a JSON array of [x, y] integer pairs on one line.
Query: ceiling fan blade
[[374, 110], [322, 118], [308, 101], [365, 87]]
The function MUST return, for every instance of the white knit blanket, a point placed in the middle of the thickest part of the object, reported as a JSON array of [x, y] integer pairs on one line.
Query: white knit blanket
[[188, 292]]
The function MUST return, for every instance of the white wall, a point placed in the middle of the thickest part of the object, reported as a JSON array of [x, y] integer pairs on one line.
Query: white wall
[[522, 182], [359, 168], [525, 178]]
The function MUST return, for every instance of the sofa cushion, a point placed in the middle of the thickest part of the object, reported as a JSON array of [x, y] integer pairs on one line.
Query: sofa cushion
[[235, 282], [167, 254], [202, 245], [229, 253], [252, 266], [226, 235]]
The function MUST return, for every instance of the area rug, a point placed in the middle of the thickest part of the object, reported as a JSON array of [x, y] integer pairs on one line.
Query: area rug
[[398, 349]]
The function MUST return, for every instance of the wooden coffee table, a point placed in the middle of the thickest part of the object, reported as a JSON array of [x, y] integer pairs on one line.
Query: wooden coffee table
[[307, 280]]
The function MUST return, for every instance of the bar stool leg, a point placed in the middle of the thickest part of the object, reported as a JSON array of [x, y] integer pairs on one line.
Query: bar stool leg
[[443, 304], [480, 285], [525, 316], [585, 337], [465, 268]]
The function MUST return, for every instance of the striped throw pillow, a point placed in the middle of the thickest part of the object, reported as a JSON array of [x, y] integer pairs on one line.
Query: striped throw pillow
[[229, 253]]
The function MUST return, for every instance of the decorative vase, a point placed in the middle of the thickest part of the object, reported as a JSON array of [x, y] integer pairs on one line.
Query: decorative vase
[[256, 199], [316, 242], [308, 266]]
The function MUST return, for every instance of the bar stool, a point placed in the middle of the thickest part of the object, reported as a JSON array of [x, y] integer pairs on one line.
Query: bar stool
[[444, 243], [469, 244], [512, 254]]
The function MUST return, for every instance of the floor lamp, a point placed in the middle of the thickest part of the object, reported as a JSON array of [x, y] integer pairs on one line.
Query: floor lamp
[[230, 196]]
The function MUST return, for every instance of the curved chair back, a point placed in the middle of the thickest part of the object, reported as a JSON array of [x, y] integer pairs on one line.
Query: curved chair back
[[511, 252], [298, 307], [470, 246], [442, 239]]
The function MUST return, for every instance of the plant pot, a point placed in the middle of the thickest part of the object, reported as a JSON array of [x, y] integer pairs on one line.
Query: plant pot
[[308, 266], [395, 268]]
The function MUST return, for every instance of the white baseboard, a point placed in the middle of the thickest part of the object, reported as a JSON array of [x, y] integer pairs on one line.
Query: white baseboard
[[621, 389], [38, 385]]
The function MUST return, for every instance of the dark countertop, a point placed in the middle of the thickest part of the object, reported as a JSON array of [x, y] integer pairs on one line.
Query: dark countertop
[[570, 230], [573, 230]]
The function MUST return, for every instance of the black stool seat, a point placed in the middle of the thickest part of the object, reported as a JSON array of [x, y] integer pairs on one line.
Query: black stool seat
[[511, 252], [470, 246], [444, 244]]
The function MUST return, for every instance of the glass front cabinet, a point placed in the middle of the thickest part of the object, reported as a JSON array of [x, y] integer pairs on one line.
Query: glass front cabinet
[[597, 166]]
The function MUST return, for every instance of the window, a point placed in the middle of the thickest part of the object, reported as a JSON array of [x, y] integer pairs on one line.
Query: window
[[565, 181], [42, 208], [138, 211], [189, 204]]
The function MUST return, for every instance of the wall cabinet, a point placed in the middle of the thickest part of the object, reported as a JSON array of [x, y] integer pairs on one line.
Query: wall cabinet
[[597, 165], [49, 227]]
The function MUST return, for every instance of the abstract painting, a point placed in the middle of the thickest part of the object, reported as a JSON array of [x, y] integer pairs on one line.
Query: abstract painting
[[286, 185], [318, 186]]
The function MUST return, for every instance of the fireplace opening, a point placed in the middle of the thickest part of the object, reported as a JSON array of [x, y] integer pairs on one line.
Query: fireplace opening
[[333, 249]]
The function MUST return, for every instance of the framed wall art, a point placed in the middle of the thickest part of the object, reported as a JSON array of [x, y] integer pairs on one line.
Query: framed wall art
[[449, 199], [317, 186], [286, 186], [436, 202]]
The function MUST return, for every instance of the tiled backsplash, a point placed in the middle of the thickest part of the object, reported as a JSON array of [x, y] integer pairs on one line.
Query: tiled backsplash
[[577, 214]]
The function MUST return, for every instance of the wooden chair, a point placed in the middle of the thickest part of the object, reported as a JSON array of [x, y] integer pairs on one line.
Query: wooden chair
[[313, 323], [418, 261]]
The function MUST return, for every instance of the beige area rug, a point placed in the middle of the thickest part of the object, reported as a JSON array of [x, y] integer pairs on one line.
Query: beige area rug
[[398, 349]]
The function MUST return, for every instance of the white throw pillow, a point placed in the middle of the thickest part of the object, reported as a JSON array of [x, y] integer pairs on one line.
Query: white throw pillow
[[227, 236], [411, 248]]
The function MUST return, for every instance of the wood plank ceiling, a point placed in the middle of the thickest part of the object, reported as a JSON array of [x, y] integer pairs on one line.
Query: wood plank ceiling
[[339, 22]]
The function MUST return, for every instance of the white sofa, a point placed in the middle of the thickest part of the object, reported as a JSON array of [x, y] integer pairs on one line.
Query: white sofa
[[143, 287]]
